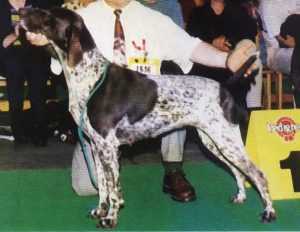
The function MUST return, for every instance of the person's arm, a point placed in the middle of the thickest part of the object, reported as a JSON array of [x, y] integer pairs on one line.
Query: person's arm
[[288, 41], [9, 40], [240, 61], [204, 53], [11, 37], [222, 43]]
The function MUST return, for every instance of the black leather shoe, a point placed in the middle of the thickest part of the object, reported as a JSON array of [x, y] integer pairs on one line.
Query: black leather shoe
[[178, 187]]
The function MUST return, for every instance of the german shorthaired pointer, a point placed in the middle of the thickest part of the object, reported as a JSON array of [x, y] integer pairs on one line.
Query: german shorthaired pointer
[[130, 106]]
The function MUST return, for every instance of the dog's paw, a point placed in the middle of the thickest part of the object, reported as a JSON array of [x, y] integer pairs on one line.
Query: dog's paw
[[104, 220], [107, 223], [122, 203], [95, 213], [268, 216], [238, 198], [99, 213]]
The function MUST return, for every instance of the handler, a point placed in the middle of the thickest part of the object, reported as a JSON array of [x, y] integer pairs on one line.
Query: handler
[[139, 38], [23, 62], [283, 50]]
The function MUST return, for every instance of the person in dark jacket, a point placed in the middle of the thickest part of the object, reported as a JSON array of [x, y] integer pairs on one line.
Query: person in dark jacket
[[222, 24], [290, 38], [22, 62]]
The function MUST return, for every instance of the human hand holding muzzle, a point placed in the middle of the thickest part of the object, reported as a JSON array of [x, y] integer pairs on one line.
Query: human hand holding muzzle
[[241, 61]]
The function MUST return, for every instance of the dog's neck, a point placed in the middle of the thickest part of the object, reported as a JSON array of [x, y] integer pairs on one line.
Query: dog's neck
[[91, 65], [81, 79]]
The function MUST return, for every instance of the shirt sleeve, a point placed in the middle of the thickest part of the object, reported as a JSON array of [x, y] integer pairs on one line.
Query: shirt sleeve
[[176, 44]]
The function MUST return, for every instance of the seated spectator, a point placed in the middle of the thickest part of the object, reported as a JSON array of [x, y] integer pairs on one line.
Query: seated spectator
[[188, 6], [251, 7], [223, 24], [273, 14], [290, 38], [280, 49], [22, 61]]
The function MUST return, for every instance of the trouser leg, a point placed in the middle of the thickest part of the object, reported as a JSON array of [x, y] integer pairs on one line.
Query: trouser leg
[[37, 80], [15, 90], [172, 146], [174, 182], [81, 180]]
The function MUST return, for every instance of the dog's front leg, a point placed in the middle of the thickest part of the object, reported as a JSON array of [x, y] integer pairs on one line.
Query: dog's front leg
[[107, 156], [110, 162], [96, 143], [102, 209]]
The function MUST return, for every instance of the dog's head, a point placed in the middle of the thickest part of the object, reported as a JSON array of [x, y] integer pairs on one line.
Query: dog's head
[[63, 27]]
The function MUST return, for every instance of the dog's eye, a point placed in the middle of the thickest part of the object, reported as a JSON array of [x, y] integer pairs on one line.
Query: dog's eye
[[68, 32], [49, 21]]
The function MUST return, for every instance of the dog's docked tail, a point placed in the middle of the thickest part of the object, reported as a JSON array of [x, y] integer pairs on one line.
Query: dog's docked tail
[[232, 111]]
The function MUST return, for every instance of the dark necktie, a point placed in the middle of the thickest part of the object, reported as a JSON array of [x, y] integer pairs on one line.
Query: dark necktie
[[119, 56]]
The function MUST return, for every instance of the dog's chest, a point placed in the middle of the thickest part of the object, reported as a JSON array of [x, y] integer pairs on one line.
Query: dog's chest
[[81, 82]]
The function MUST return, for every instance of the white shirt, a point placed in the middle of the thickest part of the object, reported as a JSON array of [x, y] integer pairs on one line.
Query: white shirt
[[274, 13], [162, 38]]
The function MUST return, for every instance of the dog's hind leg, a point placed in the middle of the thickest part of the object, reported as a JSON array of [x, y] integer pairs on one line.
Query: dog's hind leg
[[227, 138], [240, 196]]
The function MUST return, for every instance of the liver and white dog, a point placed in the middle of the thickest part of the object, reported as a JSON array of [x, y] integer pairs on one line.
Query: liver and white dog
[[130, 106]]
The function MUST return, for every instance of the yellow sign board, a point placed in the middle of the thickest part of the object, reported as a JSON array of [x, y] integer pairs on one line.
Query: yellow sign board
[[273, 144], [4, 105]]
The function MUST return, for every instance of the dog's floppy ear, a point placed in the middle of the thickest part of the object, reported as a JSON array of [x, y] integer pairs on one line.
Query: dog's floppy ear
[[75, 51]]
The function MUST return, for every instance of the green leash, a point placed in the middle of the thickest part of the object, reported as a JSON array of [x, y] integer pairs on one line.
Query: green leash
[[86, 154]]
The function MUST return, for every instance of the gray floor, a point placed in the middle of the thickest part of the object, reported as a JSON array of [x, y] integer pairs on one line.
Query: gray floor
[[59, 155]]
